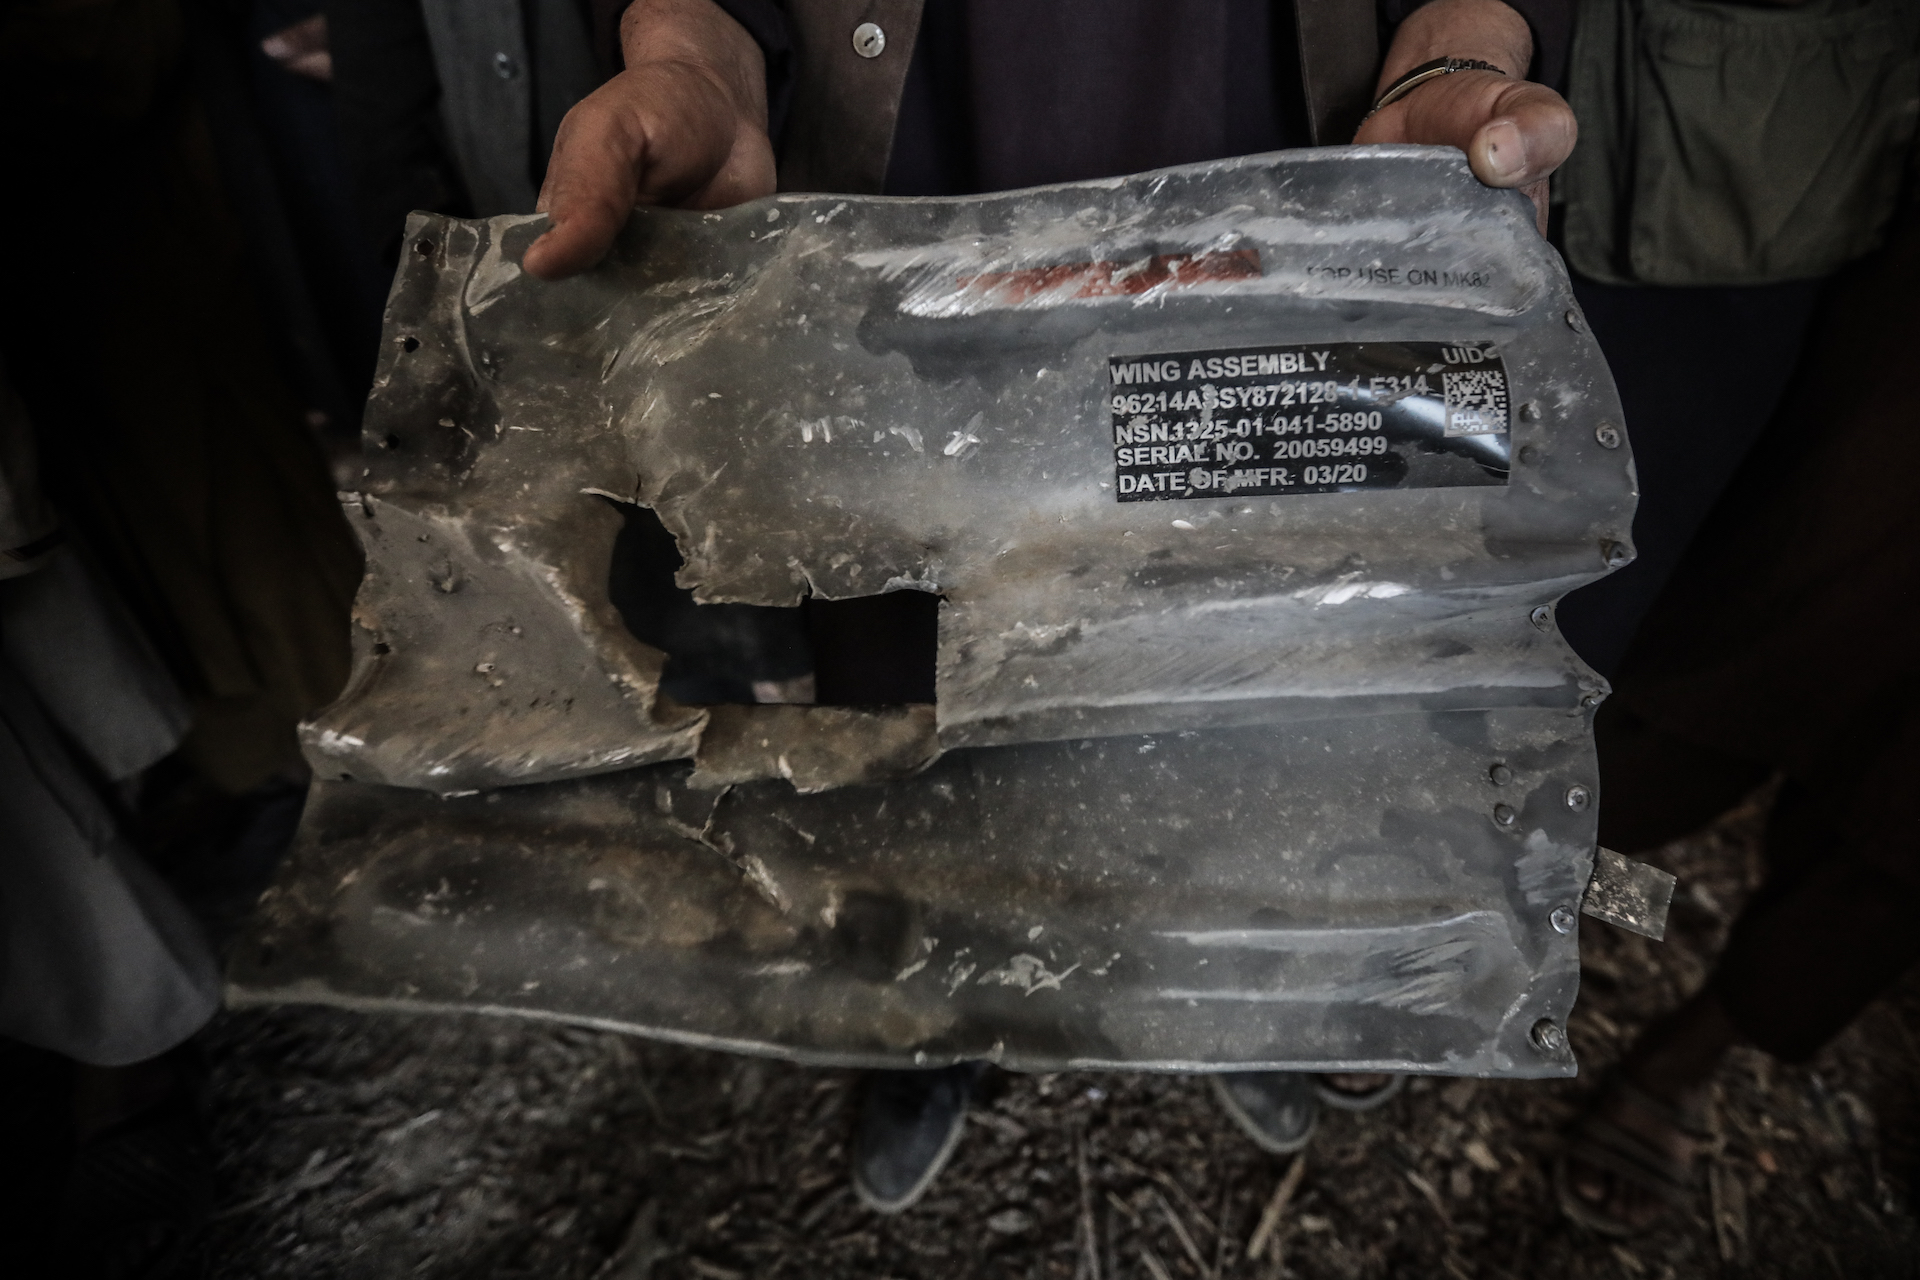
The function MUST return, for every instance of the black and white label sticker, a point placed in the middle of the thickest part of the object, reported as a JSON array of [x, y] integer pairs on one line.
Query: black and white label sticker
[[1333, 417]]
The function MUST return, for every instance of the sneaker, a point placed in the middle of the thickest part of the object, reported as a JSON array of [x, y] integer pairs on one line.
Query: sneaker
[[1377, 1089], [1277, 1109], [910, 1122]]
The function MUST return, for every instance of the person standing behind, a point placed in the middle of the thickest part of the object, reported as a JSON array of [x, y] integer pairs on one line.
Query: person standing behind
[[1733, 157], [1737, 156], [716, 102]]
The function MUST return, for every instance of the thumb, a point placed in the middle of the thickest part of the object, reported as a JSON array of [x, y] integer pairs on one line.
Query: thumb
[[592, 181], [1531, 133], [1515, 132]]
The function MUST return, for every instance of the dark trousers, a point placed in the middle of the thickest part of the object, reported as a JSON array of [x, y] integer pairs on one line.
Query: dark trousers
[[1700, 373], [1784, 642]]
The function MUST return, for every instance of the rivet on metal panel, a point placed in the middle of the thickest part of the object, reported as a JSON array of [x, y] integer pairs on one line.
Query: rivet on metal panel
[[1541, 616], [869, 41], [1530, 411], [1578, 798], [1527, 454], [1505, 815], [1576, 321], [1619, 555], [1500, 775], [1608, 435], [1562, 919], [1593, 700], [1548, 1036], [504, 66]]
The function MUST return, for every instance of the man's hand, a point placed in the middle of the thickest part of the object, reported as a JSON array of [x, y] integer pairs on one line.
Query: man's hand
[[1515, 133], [685, 124]]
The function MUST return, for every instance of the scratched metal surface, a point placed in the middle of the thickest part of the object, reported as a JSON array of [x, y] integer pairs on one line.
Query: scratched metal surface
[[820, 394], [1335, 893], [1196, 794]]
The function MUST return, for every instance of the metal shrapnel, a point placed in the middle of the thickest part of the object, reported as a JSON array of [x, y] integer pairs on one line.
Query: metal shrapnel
[[1629, 894], [1268, 773]]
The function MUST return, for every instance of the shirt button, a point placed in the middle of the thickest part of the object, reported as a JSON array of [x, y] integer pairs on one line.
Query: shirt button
[[504, 66], [869, 41]]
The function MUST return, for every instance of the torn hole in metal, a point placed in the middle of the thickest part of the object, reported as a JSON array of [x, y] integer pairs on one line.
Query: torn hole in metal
[[1166, 559]]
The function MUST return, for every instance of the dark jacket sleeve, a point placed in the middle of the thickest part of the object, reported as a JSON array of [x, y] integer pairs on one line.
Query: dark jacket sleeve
[[1552, 24]]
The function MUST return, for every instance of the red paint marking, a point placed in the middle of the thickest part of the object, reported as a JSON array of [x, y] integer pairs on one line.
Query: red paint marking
[[1115, 279]]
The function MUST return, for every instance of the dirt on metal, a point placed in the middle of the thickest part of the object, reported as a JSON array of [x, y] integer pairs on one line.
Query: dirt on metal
[[470, 1147]]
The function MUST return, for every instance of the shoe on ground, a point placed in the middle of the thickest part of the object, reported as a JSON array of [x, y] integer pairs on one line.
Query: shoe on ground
[[1347, 1099], [1277, 1109], [910, 1122], [1615, 1175]]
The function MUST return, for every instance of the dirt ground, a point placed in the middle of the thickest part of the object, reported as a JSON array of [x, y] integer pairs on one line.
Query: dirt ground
[[443, 1147]]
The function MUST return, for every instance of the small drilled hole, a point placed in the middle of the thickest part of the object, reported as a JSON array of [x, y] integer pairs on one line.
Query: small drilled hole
[[409, 343]]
